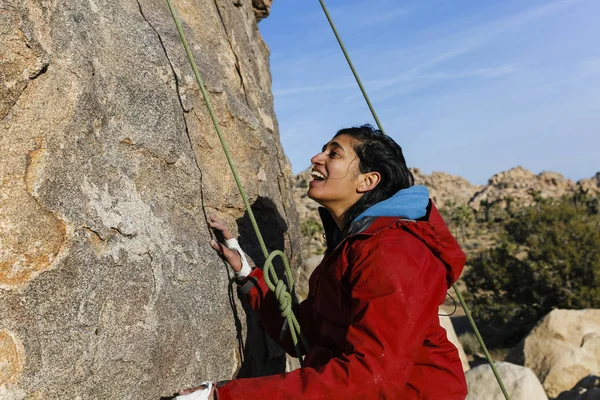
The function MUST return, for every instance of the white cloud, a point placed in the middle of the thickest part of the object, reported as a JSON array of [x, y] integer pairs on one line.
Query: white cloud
[[495, 72]]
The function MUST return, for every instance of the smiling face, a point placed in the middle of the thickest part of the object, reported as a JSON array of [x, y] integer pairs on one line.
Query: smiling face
[[338, 183], [337, 180]]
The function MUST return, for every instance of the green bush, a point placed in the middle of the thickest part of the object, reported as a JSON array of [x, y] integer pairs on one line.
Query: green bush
[[458, 218], [547, 256], [470, 344], [310, 227]]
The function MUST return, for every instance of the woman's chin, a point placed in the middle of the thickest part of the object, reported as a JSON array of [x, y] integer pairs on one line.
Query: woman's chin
[[310, 193]]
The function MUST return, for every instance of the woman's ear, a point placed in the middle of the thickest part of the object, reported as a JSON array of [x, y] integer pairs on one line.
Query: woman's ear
[[368, 181]]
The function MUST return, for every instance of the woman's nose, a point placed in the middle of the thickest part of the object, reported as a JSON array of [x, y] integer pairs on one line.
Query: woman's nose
[[317, 159]]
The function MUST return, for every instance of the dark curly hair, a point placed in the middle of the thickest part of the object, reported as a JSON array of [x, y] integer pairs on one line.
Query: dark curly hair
[[377, 152]]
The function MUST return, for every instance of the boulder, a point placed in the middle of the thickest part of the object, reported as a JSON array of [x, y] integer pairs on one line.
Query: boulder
[[562, 349], [520, 383], [304, 273], [109, 165]]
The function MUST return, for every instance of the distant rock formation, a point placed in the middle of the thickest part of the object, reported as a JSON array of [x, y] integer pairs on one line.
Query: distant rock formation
[[109, 165], [591, 184], [306, 207], [521, 187], [446, 189]]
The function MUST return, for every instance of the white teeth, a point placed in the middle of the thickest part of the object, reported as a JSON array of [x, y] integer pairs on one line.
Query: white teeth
[[317, 174]]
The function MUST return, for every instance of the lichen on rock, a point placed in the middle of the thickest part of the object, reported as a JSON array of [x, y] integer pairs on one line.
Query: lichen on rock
[[11, 357]]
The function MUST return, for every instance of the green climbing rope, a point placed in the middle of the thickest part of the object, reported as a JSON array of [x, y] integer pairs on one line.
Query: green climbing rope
[[458, 294], [284, 296], [360, 85], [284, 293], [480, 340]]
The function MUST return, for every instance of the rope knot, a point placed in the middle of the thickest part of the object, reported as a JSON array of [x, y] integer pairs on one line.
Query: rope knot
[[284, 298]]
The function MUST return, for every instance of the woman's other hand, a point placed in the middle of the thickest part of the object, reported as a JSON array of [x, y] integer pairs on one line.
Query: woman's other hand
[[186, 392], [231, 256]]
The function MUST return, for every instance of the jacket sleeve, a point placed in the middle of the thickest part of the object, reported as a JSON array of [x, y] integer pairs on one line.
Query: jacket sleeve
[[264, 302], [395, 291]]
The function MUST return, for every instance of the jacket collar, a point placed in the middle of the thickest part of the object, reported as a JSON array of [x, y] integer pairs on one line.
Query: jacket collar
[[332, 232], [366, 226], [430, 229]]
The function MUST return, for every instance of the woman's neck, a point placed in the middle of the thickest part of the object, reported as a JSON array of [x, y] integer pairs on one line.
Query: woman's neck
[[338, 217]]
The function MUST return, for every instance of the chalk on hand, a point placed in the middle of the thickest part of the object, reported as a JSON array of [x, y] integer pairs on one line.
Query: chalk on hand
[[198, 394]]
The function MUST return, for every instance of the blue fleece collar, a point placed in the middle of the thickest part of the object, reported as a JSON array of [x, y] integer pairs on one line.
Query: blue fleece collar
[[409, 203]]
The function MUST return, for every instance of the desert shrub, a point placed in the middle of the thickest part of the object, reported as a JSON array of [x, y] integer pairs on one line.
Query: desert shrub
[[458, 218], [547, 256], [470, 344], [310, 227], [320, 250]]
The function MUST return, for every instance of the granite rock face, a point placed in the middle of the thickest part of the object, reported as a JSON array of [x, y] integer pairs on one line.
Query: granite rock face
[[108, 167], [262, 8]]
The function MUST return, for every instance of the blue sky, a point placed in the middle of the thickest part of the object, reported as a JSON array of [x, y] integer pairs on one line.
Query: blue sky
[[465, 87]]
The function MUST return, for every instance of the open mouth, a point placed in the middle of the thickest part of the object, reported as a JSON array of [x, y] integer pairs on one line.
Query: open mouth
[[317, 176]]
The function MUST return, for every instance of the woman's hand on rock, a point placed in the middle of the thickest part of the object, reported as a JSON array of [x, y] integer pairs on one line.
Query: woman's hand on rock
[[231, 256]]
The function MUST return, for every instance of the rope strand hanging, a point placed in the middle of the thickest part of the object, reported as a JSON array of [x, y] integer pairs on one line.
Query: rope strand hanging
[[454, 286], [284, 293]]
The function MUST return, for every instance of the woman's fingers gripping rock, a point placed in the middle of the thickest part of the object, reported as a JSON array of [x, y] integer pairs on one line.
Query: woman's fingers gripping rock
[[218, 225], [232, 257]]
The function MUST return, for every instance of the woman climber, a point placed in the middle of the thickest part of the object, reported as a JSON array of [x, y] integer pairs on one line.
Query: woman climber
[[371, 316]]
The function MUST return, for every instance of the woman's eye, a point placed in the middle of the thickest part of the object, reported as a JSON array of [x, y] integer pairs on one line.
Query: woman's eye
[[332, 154]]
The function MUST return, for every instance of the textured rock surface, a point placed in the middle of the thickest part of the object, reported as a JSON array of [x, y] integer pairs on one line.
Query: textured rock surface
[[11, 358], [108, 288], [562, 349], [261, 8], [520, 383]]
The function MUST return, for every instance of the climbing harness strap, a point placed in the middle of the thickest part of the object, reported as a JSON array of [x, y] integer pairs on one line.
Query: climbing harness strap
[[456, 290], [284, 293]]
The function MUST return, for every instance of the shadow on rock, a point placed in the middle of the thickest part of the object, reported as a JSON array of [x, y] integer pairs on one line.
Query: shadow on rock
[[260, 354]]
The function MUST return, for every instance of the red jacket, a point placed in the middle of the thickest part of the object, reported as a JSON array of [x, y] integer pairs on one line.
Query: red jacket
[[371, 317]]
